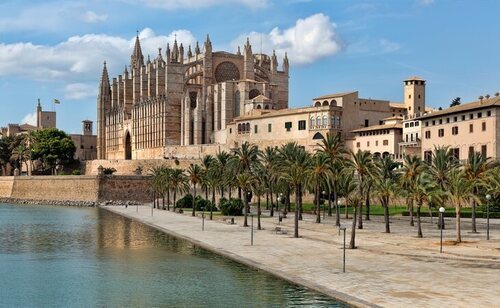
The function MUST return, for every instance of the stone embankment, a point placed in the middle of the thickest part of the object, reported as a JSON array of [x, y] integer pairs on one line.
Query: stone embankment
[[69, 202]]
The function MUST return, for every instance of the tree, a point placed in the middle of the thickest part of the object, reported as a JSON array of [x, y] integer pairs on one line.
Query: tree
[[412, 168], [333, 147], [385, 185], [259, 188], [458, 192], [179, 183], [21, 154], [423, 190], [268, 161], [213, 178], [222, 161], [455, 102], [318, 175], [52, 146], [475, 169], [245, 181], [5, 153], [206, 162], [195, 174], [361, 163]]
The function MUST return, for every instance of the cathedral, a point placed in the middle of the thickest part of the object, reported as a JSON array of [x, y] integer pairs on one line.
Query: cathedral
[[184, 98]]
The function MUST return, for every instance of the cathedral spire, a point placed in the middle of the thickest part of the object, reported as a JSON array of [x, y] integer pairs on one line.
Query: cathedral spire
[[208, 45], [190, 53], [274, 62], [137, 59], [286, 65], [104, 85], [239, 51], [175, 52], [248, 47], [159, 57], [167, 53], [181, 53], [197, 49]]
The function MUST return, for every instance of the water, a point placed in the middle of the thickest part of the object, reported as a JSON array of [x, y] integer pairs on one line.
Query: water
[[87, 257]]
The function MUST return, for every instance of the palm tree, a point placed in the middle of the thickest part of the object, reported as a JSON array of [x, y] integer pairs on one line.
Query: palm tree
[[458, 192], [259, 188], [412, 168], [333, 147], [195, 174], [245, 181], [268, 160], [213, 178], [222, 161], [294, 164], [22, 154], [475, 169], [156, 183], [385, 184], [347, 187], [361, 163], [206, 162], [178, 183], [319, 174], [423, 190]]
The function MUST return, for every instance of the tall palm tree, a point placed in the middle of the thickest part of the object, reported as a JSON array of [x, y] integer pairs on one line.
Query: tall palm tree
[[491, 182], [206, 162], [245, 181], [385, 178], [361, 163], [475, 169], [259, 188], [347, 187], [294, 164], [318, 175], [195, 174], [412, 168], [268, 159], [333, 147], [22, 154], [156, 174], [213, 178], [179, 183], [458, 192], [222, 161], [423, 191]]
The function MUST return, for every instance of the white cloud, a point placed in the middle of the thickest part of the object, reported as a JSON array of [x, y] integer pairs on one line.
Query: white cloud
[[197, 4], [30, 119], [93, 17], [78, 91], [79, 59], [308, 40]]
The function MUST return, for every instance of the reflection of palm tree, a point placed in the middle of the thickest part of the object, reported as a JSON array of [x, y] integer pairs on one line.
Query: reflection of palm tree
[[195, 176]]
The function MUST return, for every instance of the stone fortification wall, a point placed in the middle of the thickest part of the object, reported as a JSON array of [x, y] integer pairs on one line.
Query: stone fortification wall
[[128, 167], [75, 188], [6, 186], [81, 188]]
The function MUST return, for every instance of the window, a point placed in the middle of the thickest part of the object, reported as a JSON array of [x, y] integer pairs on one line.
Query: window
[[454, 130], [411, 124], [417, 124], [428, 134], [456, 153], [447, 120], [488, 113], [428, 156], [471, 128], [318, 122], [479, 114], [358, 144], [483, 151], [324, 121], [471, 116], [230, 130], [380, 122], [483, 126], [440, 121], [409, 96], [91, 147], [366, 123], [255, 129], [433, 122], [455, 119], [311, 123], [368, 143], [407, 125], [81, 147], [411, 137], [471, 151], [441, 132], [288, 126], [463, 117], [302, 125], [385, 142], [269, 127], [376, 142], [426, 123], [332, 121]]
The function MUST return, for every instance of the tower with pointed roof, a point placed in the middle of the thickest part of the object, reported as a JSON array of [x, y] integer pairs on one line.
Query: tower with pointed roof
[[103, 106]]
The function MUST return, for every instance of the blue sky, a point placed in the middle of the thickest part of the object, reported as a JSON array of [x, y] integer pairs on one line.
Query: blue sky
[[55, 49]]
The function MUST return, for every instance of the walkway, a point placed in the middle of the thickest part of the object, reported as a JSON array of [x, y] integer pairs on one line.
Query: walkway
[[390, 270]]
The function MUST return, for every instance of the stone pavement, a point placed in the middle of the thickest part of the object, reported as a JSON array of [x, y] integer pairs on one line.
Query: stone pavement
[[390, 270]]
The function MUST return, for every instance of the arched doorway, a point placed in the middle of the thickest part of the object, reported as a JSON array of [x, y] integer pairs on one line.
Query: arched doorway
[[317, 136], [128, 146]]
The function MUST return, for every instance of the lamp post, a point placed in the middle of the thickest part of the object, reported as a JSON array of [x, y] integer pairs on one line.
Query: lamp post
[[441, 212], [488, 198], [251, 230], [202, 218], [280, 218], [343, 257]]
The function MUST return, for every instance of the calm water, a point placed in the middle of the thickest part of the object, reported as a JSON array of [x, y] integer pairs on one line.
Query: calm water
[[63, 256]]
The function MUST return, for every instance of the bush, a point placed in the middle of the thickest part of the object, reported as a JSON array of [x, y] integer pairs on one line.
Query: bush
[[76, 172], [185, 202], [108, 171], [200, 202], [231, 207]]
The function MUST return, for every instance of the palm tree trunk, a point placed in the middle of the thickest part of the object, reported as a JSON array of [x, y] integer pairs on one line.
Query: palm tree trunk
[[168, 199], [473, 214], [175, 195], [329, 203], [287, 203], [386, 216], [296, 228], [352, 243], [194, 197], [267, 200], [239, 192], [213, 203], [206, 193], [245, 210], [347, 209], [300, 202], [163, 202], [367, 215], [430, 213], [419, 226], [272, 203], [458, 210], [360, 215], [258, 213], [411, 212], [318, 208], [337, 210]]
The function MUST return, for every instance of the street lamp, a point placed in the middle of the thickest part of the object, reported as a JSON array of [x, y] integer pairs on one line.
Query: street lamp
[[202, 218], [251, 230], [343, 258], [441, 218], [488, 198]]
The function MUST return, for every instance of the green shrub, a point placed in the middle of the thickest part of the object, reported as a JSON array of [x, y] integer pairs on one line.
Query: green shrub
[[185, 202], [200, 202], [231, 207], [109, 171], [76, 172]]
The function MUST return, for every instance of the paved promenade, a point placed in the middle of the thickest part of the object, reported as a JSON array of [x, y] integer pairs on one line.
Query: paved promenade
[[390, 270]]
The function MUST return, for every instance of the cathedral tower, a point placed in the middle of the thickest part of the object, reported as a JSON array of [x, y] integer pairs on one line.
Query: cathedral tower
[[414, 95], [103, 105]]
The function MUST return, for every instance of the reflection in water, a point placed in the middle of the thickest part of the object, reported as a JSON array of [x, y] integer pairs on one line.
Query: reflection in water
[[56, 256]]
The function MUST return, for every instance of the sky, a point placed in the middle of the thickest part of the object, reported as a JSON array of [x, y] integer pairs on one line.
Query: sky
[[55, 49]]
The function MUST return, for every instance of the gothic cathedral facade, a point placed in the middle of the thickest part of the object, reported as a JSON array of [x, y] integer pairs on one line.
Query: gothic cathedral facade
[[184, 99]]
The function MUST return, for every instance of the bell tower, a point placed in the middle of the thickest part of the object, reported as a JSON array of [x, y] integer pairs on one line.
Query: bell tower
[[414, 95]]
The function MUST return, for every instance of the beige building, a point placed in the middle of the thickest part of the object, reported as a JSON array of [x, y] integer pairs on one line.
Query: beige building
[[85, 143], [186, 99], [44, 119], [465, 129]]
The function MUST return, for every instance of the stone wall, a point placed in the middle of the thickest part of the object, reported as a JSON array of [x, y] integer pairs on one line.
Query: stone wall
[[127, 167], [76, 188]]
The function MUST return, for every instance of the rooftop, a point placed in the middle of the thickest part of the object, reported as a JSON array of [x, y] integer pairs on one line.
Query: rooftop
[[493, 101], [334, 95]]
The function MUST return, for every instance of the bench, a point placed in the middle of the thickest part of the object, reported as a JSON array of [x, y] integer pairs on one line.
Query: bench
[[280, 230], [228, 220]]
